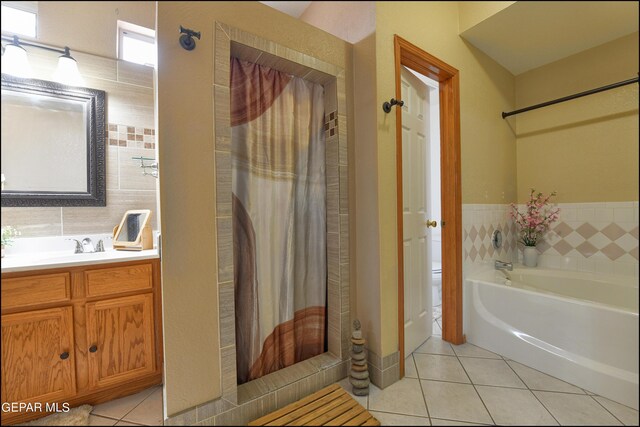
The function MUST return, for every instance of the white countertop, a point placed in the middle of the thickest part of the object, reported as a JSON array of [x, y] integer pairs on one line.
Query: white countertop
[[59, 259]]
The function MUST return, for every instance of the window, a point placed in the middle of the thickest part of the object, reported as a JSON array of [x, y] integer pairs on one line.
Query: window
[[136, 44], [18, 21]]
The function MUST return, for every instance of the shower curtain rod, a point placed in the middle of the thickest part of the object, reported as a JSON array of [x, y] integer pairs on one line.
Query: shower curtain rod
[[567, 98]]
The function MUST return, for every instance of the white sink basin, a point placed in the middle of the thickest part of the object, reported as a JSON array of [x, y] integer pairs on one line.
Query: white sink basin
[[57, 259]]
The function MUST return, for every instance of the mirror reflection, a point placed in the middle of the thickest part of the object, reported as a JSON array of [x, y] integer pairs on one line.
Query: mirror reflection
[[53, 144], [131, 227], [44, 143]]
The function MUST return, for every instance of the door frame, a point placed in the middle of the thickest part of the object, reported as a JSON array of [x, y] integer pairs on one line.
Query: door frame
[[413, 57]]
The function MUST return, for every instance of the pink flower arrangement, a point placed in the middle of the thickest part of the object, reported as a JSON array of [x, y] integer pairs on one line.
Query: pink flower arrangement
[[537, 218]]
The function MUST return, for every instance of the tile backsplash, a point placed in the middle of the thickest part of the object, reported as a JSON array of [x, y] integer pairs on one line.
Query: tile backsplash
[[478, 224], [600, 238], [127, 188], [593, 237]]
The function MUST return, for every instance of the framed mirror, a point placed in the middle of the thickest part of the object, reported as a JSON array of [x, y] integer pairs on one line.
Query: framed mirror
[[53, 144], [134, 232]]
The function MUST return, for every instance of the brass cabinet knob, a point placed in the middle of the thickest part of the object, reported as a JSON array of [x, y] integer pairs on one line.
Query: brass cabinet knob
[[431, 224]]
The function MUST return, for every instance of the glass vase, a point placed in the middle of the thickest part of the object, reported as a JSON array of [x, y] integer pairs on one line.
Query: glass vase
[[530, 256]]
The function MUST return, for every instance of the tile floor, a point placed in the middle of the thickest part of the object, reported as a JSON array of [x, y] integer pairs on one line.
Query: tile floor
[[143, 408], [444, 385]]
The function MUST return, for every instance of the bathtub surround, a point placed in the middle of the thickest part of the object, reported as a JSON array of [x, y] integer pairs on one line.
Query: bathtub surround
[[478, 223], [594, 238]]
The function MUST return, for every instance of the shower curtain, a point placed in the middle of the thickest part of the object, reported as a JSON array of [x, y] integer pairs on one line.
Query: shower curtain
[[279, 218]]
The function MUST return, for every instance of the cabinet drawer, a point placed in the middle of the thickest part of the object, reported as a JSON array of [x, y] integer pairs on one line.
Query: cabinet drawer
[[109, 281], [34, 290]]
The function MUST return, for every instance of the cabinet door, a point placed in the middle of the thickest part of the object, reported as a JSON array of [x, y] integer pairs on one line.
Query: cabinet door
[[120, 339], [38, 364]]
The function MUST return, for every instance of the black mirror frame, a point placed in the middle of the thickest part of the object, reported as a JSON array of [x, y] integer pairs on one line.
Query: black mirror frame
[[96, 146]]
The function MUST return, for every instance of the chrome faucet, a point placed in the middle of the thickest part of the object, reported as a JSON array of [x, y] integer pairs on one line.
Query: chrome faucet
[[100, 246], [87, 245], [504, 267], [79, 249]]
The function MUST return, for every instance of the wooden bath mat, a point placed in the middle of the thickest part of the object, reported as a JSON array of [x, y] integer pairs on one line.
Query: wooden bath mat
[[331, 406]]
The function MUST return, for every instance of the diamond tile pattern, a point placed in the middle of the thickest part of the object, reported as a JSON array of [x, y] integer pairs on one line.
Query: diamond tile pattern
[[605, 240], [479, 223]]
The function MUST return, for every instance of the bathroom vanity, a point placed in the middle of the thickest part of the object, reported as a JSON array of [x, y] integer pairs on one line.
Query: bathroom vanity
[[80, 330]]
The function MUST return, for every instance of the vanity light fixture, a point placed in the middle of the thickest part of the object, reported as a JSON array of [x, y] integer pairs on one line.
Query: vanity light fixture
[[16, 62]]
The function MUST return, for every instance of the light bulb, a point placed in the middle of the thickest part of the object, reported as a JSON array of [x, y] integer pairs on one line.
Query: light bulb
[[15, 61], [67, 72]]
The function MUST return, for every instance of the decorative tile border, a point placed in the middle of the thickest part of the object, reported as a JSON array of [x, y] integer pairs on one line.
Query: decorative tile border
[[131, 136], [593, 237], [383, 371], [478, 224], [330, 124], [590, 237]]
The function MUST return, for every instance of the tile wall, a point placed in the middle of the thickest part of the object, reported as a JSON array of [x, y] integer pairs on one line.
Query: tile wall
[[599, 238], [594, 238], [478, 224]]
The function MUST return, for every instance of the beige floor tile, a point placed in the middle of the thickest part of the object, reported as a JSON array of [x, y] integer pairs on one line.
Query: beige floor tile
[[362, 400], [120, 407], [124, 423], [95, 420], [450, 401], [410, 370], [402, 397], [470, 350], [439, 422], [439, 367], [437, 330], [626, 415], [149, 412], [387, 419], [575, 409], [490, 372], [515, 407], [435, 345], [537, 380]]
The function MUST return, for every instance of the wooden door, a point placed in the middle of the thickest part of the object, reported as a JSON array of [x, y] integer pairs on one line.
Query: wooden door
[[120, 339], [38, 364], [415, 212]]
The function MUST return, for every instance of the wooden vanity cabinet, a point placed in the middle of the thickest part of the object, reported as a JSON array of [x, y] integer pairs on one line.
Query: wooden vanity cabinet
[[80, 335]]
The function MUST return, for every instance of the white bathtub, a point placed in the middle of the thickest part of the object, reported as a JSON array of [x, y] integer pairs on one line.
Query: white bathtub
[[571, 325]]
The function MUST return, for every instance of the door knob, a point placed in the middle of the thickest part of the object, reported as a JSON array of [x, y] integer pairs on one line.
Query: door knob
[[430, 224], [93, 348]]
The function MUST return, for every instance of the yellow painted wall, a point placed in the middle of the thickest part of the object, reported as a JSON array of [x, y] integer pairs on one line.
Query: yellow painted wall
[[474, 12], [91, 26], [487, 141], [587, 148], [186, 134]]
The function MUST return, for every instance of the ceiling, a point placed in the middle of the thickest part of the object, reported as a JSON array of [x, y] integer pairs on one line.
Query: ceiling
[[529, 34], [292, 8]]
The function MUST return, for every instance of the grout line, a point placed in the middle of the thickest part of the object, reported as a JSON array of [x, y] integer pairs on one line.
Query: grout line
[[534, 395], [605, 408], [132, 409], [476, 390], [424, 398]]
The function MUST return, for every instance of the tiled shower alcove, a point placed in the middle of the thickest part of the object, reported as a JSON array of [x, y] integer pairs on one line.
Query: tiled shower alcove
[[240, 404]]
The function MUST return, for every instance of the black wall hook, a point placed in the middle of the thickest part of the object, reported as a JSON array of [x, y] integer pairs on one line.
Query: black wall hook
[[186, 39], [386, 106]]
